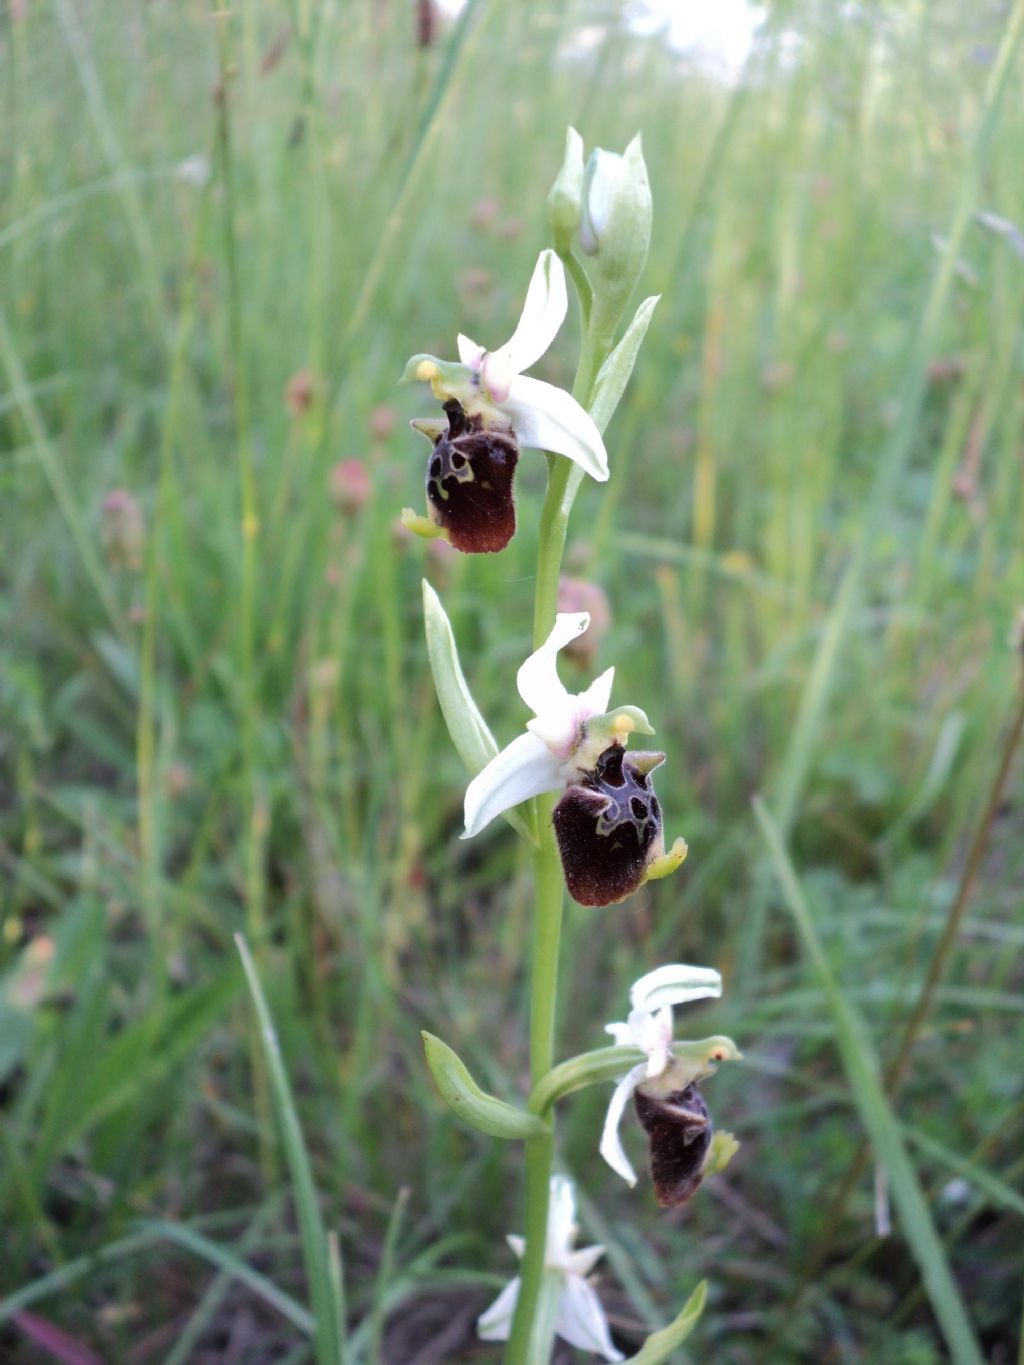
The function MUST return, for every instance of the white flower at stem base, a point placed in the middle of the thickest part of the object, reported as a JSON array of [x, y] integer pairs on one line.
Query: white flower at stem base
[[560, 741], [542, 416], [580, 1320], [649, 1027]]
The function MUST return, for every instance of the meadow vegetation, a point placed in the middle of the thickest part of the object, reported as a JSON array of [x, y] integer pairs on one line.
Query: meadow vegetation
[[223, 232]]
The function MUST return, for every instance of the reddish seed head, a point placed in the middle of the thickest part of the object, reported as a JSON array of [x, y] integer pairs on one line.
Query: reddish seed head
[[485, 211], [124, 530], [382, 422], [350, 486], [579, 594], [299, 393]]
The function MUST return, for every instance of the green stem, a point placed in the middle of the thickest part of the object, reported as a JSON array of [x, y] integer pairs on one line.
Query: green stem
[[564, 479], [533, 1327], [533, 1331]]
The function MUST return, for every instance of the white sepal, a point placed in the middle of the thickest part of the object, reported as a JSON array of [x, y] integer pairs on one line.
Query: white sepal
[[611, 1146], [543, 314], [561, 1221], [675, 984], [470, 352], [547, 418], [495, 1323], [581, 1320], [582, 1262], [524, 768], [537, 680], [597, 696]]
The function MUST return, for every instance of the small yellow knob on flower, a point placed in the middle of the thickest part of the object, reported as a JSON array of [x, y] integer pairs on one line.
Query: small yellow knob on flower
[[623, 726]]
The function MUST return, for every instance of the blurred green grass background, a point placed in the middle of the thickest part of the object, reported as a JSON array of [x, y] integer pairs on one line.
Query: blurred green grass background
[[222, 234]]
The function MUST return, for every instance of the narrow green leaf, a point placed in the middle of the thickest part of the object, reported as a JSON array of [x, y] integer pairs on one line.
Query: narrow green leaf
[[660, 1345], [324, 1288], [118, 1075], [385, 1274], [995, 1189], [234, 1266], [149, 1235], [880, 1124], [462, 1094], [893, 457], [473, 741], [614, 374]]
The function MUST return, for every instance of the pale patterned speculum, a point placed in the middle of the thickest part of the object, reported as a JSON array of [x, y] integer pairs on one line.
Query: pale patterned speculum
[[609, 827]]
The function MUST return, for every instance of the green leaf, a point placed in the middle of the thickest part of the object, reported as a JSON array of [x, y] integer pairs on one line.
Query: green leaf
[[614, 374], [480, 1110], [325, 1285], [861, 1064], [473, 741], [660, 1345]]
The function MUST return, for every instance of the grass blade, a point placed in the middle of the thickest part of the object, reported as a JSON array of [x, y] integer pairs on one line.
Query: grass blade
[[232, 1265], [329, 1343], [862, 1070], [893, 458], [149, 1235]]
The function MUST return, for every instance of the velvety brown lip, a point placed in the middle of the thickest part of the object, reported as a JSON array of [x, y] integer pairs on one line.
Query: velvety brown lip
[[469, 482], [679, 1132], [608, 827]]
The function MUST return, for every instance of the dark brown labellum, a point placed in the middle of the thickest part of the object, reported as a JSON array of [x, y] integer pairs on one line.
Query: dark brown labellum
[[608, 827], [679, 1131], [469, 482]]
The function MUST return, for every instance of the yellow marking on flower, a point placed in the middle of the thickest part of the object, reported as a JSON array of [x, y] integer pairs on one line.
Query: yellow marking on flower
[[668, 862], [426, 370], [422, 526], [623, 726]]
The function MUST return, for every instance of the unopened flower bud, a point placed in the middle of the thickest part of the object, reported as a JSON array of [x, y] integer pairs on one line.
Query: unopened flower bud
[[579, 594], [350, 486], [124, 530], [615, 227], [565, 198]]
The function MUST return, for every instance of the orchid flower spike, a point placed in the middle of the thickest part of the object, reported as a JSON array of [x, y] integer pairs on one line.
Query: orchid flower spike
[[683, 1145], [608, 821], [492, 409], [580, 1319]]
